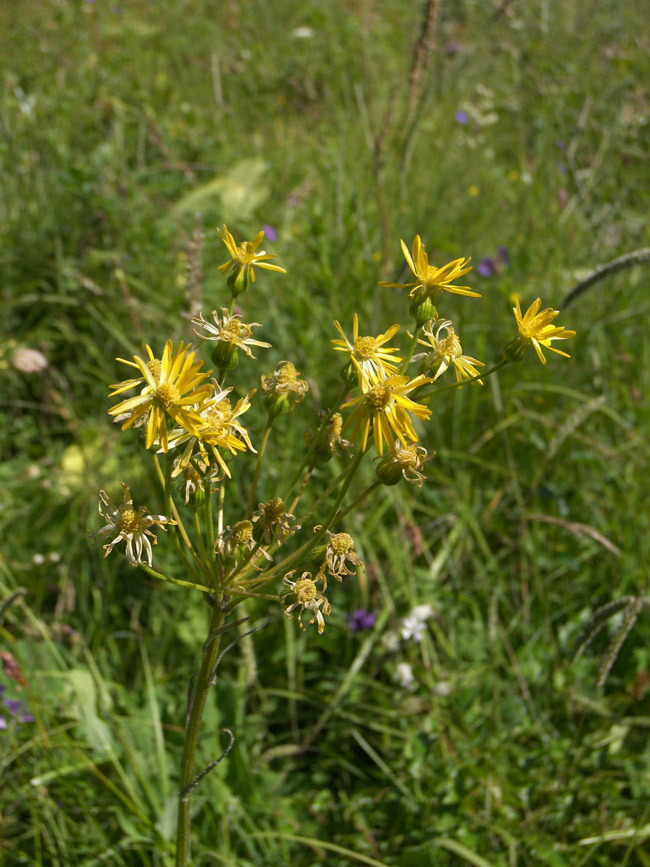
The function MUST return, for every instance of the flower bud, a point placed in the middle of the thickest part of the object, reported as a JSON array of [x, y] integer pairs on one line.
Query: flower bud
[[422, 307], [238, 279], [517, 349], [224, 355]]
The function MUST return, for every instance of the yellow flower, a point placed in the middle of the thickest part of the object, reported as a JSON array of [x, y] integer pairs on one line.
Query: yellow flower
[[172, 387], [430, 279], [535, 329], [217, 428], [244, 257], [308, 597], [371, 360], [229, 330], [386, 406], [444, 351], [132, 527]]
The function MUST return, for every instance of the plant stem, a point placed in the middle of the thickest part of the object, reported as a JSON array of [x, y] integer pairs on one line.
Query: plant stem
[[258, 467], [177, 581], [481, 375], [362, 496], [310, 451], [409, 352], [192, 729]]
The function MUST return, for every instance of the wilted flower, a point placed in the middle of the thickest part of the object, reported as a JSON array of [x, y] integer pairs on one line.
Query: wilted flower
[[445, 349], [340, 551], [230, 331], [283, 388], [308, 597], [273, 521], [406, 463], [328, 439], [132, 527], [237, 538]]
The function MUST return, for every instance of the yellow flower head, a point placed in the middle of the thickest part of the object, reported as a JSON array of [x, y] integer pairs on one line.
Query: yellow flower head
[[535, 329], [132, 527], [218, 429], [386, 406], [445, 349], [244, 257], [229, 330], [308, 597], [372, 360], [431, 280], [173, 386]]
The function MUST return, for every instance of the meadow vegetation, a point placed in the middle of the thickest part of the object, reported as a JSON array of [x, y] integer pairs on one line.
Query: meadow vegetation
[[512, 726]]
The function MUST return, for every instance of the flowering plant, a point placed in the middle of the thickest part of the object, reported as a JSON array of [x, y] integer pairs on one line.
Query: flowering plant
[[197, 431]]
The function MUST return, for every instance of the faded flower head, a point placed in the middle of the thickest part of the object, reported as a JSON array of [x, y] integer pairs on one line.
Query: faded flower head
[[444, 349], [535, 329], [387, 408], [237, 538], [372, 359], [283, 388], [340, 551], [273, 521], [307, 597], [230, 331], [328, 439], [407, 463], [173, 387], [132, 527]]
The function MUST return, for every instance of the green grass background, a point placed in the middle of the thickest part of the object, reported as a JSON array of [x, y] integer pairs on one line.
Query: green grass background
[[118, 124]]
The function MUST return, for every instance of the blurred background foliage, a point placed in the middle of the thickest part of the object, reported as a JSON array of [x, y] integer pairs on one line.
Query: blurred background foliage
[[128, 132]]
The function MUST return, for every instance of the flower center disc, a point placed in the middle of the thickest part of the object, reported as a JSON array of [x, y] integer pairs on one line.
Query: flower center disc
[[380, 397], [365, 348], [167, 395]]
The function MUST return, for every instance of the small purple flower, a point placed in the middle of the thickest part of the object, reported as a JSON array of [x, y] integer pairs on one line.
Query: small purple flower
[[462, 117], [3, 723], [487, 267], [502, 253], [17, 710], [270, 232], [361, 620]]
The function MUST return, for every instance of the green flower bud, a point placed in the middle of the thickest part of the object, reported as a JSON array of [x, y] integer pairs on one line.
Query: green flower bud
[[517, 349]]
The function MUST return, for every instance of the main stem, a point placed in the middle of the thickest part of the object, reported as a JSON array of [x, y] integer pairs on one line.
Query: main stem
[[197, 701]]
